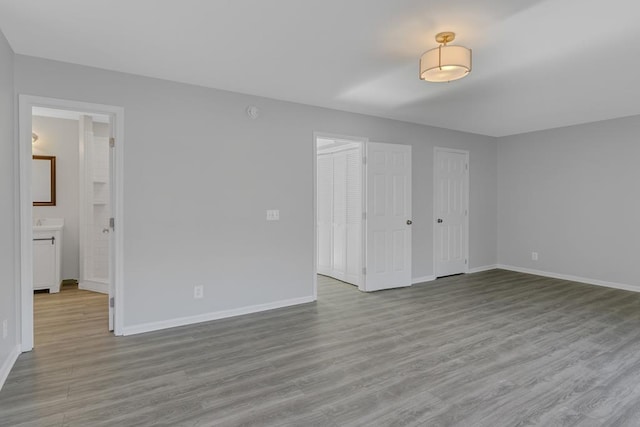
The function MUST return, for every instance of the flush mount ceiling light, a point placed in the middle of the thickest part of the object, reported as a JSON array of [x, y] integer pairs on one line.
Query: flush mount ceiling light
[[445, 63]]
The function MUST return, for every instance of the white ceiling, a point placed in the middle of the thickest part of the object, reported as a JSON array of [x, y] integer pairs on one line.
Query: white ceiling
[[538, 64]]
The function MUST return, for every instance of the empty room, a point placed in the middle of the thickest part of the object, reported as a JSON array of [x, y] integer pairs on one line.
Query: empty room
[[328, 213]]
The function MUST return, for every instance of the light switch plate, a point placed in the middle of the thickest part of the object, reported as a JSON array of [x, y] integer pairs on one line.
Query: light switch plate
[[273, 215], [198, 292]]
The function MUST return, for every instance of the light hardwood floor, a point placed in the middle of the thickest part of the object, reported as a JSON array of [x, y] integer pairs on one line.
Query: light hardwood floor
[[69, 317], [487, 349]]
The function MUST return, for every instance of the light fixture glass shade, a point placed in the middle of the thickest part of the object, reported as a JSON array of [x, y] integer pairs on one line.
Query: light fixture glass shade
[[445, 63]]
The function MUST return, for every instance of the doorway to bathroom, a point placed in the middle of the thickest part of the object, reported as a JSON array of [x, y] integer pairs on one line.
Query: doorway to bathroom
[[79, 143], [85, 143]]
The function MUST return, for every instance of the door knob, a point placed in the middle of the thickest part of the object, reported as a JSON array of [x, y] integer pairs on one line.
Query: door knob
[[409, 222], [105, 230], [439, 220]]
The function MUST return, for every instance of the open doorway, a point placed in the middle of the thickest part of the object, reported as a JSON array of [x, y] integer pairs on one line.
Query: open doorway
[[339, 209], [362, 212], [71, 231], [70, 247]]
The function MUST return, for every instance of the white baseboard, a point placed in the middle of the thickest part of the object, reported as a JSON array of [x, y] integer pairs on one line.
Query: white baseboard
[[586, 280], [103, 288], [8, 364], [206, 317], [431, 278], [482, 268], [422, 279]]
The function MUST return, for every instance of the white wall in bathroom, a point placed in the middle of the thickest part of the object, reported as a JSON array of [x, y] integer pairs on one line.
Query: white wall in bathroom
[[59, 137]]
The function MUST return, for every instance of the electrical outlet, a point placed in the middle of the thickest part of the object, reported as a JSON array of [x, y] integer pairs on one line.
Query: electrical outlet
[[5, 328], [273, 215], [534, 256], [198, 292]]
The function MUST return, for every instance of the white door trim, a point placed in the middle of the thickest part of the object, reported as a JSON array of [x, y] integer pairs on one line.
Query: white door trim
[[314, 167], [25, 104], [466, 197]]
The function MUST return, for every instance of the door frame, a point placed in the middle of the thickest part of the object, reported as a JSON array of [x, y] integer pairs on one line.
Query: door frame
[[435, 201], [363, 141], [24, 151]]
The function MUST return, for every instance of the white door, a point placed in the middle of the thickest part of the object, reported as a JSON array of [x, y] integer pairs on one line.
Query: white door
[[339, 253], [95, 203], [101, 211], [353, 217], [325, 213], [451, 211], [388, 220], [339, 215], [111, 245]]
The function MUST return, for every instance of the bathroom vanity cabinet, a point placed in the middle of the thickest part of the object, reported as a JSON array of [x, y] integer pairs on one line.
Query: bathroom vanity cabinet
[[47, 248]]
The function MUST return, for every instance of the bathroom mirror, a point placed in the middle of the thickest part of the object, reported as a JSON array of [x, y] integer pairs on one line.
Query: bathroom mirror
[[43, 180]]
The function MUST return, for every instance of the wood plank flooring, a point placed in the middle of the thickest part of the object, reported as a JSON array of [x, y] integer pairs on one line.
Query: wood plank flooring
[[489, 349], [68, 317]]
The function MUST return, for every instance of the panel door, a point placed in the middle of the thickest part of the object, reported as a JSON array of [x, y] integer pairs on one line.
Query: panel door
[[325, 213], [111, 247], [451, 210], [388, 222], [353, 217], [339, 216]]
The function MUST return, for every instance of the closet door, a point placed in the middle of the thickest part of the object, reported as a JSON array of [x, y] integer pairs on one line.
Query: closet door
[[353, 216], [325, 213], [340, 215]]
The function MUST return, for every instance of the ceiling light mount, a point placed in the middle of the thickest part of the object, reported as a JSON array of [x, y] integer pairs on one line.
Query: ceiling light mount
[[445, 37], [445, 63]]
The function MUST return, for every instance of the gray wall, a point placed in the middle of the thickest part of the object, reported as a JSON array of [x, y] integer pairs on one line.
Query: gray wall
[[60, 138], [9, 205], [571, 194], [199, 176]]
